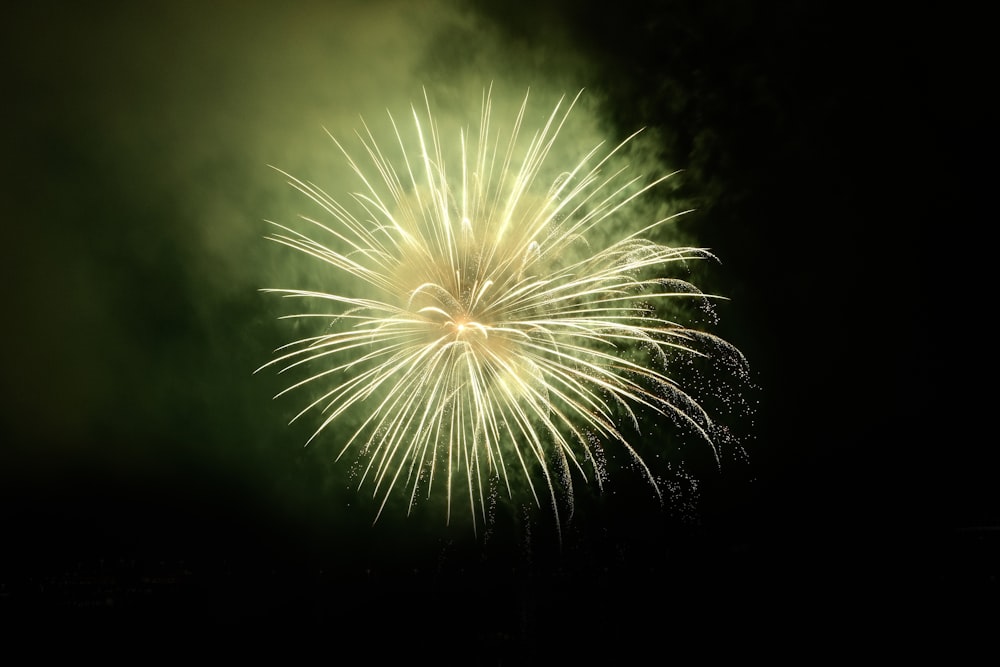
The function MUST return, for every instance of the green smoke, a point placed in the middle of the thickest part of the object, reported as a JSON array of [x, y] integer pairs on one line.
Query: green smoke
[[150, 132]]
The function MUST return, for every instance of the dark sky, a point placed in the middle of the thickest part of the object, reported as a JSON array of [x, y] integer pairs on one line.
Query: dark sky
[[147, 475]]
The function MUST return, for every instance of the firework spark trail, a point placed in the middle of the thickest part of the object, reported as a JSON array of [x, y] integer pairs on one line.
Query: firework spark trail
[[481, 347]]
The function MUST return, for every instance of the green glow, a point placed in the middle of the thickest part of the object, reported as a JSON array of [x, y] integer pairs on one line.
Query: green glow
[[491, 341]]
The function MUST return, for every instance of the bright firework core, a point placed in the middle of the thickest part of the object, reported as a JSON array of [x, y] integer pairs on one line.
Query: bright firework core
[[493, 343]]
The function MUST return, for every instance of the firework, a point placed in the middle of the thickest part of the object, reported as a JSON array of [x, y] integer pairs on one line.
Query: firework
[[492, 343]]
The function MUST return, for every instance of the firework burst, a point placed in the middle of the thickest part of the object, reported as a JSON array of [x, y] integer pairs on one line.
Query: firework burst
[[491, 342]]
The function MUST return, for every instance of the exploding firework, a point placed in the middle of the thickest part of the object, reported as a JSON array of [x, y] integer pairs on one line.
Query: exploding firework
[[491, 341]]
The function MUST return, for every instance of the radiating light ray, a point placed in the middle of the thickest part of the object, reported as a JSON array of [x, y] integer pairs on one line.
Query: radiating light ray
[[485, 331]]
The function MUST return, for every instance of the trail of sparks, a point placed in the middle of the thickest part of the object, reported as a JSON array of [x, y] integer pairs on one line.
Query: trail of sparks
[[479, 347]]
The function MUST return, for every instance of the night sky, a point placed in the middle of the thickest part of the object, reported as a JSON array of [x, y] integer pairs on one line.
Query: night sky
[[147, 478]]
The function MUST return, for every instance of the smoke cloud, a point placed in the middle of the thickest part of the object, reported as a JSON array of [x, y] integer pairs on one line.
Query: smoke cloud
[[150, 134]]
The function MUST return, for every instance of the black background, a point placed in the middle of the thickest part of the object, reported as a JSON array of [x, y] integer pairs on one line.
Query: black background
[[836, 148]]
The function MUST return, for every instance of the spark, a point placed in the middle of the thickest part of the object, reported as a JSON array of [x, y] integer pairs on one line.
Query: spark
[[488, 336]]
